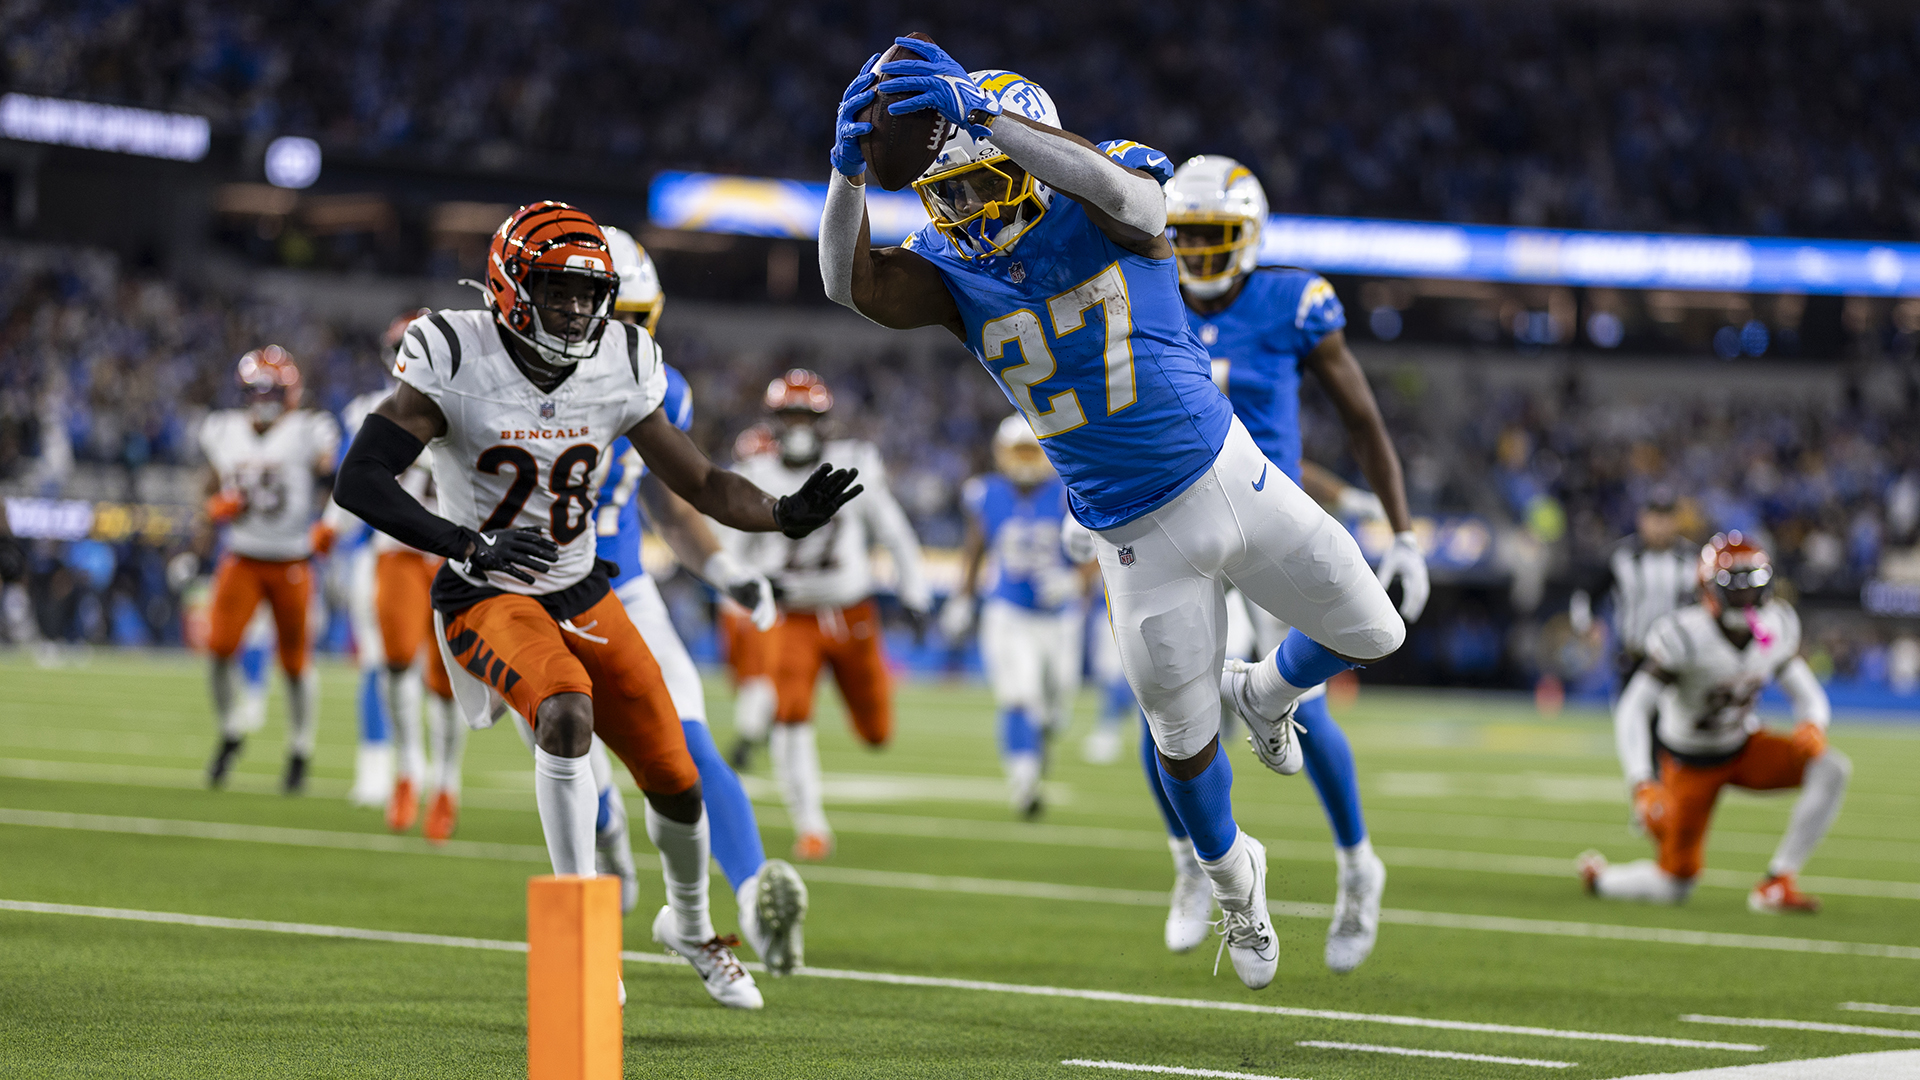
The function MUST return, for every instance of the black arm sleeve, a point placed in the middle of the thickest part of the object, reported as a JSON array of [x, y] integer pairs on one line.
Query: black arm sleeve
[[367, 485]]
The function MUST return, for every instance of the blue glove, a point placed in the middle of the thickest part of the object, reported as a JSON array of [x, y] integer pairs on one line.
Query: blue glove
[[845, 154], [937, 82]]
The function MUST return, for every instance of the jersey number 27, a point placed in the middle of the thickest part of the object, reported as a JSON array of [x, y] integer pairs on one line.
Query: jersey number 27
[[1068, 311]]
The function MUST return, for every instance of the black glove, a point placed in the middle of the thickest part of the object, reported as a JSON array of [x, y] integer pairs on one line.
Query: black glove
[[917, 621], [824, 493], [505, 551]]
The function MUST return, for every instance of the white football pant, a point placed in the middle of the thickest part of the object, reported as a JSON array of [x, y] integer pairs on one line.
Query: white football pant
[[641, 597], [1033, 659]]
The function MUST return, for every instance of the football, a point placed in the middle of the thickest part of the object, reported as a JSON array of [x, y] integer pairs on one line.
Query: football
[[899, 148]]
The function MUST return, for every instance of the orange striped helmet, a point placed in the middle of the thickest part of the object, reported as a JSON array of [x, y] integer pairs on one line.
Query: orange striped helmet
[[271, 381], [799, 390], [552, 281]]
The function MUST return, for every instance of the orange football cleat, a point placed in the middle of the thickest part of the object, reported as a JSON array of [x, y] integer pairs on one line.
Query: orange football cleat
[[813, 847], [404, 807], [1776, 895], [1590, 865], [442, 816]]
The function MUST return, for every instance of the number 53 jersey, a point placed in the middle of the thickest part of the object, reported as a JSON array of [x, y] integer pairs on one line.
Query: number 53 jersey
[[514, 456]]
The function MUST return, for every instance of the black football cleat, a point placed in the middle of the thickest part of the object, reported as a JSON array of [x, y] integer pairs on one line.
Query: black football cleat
[[741, 755], [222, 763], [295, 780]]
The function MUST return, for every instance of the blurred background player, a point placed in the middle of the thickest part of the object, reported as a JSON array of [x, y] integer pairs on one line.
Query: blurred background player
[[268, 463], [828, 614], [1648, 575], [1262, 328], [1695, 692], [1031, 620], [749, 648]]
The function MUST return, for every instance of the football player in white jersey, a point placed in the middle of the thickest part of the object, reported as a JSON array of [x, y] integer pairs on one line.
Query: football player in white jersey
[[520, 401], [1706, 665], [827, 612], [1032, 620], [266, 463]]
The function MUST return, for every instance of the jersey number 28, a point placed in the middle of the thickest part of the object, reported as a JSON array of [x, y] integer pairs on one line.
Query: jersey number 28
[[1068, 311], [570, 482]]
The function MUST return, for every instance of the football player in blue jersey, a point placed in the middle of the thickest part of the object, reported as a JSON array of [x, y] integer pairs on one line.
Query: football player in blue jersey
[[1031, 618], [1264, 327], [1048, 257]]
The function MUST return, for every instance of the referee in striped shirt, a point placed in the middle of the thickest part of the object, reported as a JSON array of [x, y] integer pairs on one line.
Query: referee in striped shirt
[[1648, 574]]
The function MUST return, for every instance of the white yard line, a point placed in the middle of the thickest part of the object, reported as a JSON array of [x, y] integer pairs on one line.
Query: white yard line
[[887, 978], [1802, 1025], [1868, 1006], [889, 879], [1169, 1070], [1407, 1051], [1880, 1065]]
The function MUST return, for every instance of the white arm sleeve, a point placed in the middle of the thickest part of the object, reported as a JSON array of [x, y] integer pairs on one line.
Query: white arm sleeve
[[1809, 698], [839, 235], [1067, 166], [1633, 727]]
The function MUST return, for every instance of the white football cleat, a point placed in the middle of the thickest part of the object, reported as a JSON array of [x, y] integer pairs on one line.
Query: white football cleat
[[726, 981], [1246, 928], [1272, 739], [1356, 914], [372, 776], [1590, 864], [772, 907], [1190, 915], [613, 854]]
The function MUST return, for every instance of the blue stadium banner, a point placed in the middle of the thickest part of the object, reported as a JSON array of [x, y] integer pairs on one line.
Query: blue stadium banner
[[753, 206]]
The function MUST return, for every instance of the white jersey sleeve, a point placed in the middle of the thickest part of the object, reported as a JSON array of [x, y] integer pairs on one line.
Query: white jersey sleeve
[[889, 525]]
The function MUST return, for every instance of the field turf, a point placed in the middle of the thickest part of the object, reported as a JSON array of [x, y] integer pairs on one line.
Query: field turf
[[1477, 805]]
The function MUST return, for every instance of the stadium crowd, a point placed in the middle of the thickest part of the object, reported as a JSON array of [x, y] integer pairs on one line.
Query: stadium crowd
[[1767, 118]]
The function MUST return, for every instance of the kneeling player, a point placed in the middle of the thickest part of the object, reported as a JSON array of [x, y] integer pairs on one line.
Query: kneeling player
[[520, 402], [1686, 728]]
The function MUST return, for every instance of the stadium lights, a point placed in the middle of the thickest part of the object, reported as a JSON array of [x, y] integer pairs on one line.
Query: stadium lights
[[753, 206], [91, 126], [292, 162]]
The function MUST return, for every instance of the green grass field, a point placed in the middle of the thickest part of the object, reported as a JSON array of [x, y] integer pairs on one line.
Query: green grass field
[[1477, 805]]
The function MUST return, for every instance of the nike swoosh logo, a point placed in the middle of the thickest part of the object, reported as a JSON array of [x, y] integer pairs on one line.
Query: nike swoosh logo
[[1261, 484]]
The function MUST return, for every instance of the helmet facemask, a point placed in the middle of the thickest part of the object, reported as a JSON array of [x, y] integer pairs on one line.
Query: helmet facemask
[[983, 206], [1213, 250], [570, 308], [799, 439]]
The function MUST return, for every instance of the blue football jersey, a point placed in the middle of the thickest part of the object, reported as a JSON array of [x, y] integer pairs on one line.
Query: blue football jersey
[[622, 546], [1091, 342], [1023, 536], [1258, 344]]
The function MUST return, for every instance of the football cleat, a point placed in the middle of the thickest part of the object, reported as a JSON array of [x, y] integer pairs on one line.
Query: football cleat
[[613, 854], [372, 776], [1273, 740], [813, 847], [1190, 915], [1777, 896], [222, 762], [404, 806], [726, 981], [1356, 914], [771, 917], [1590, 864], [294, 780], [1246, 928], [741, 756], [442, 816]]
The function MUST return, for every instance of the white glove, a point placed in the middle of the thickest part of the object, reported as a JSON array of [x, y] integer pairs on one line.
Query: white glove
[[1078, 540], [1359, 504], [1058, 588], [748, 588], [1405, 562], [956, 618]]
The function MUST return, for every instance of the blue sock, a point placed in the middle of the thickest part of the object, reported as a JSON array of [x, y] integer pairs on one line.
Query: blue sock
[[1150, 764], [373, 709], [1205, 805], [253, 665], [603, 816], [1306, 663], [1119, 701], [1017, 733], [1330, 767], [730, 820]]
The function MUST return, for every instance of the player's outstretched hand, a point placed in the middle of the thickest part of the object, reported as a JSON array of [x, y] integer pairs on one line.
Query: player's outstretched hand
[[824, 493], [937, 82], [748, 588], [1404, 561], [847, 128], [509, 551]]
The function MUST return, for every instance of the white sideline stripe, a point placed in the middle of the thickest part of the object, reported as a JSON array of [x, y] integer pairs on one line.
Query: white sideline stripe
[[887, 978], [1801, 1025], [1868, 1006], [889, 879], [1407, 1051], [1170, 1070], [1880, 1064]]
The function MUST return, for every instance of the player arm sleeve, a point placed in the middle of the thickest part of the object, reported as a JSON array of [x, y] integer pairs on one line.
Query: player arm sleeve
[[1633, 727], [1086, 173], [1809, 698], [891, 526], [369, 486], [840, 236]]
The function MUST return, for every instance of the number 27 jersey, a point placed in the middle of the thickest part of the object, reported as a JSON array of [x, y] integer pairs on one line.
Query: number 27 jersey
[[514, 456]]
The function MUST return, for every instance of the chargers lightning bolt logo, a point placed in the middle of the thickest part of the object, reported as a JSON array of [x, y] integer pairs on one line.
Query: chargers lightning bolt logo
[[1261, 484]]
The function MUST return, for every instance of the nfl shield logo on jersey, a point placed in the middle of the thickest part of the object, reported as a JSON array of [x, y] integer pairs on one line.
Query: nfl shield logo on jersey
[[546, 410], [1126, 556]]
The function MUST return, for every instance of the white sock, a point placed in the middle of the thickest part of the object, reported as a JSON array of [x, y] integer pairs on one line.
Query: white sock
[[1347, 858], [796, 763], [563, 789], [251, 715], [1268, 692], [1232, 873], [1185, 862], [303, 713], [403, 709], [753, 708], [1642, 880], [449, 737], [684, 850], [1023, 776], [1822, 789], [224, 680]]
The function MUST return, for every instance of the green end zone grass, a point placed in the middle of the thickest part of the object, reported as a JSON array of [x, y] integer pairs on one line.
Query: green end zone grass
[[1443, 775]]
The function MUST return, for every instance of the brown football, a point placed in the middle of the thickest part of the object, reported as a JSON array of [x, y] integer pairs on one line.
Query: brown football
[[899, 148]]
